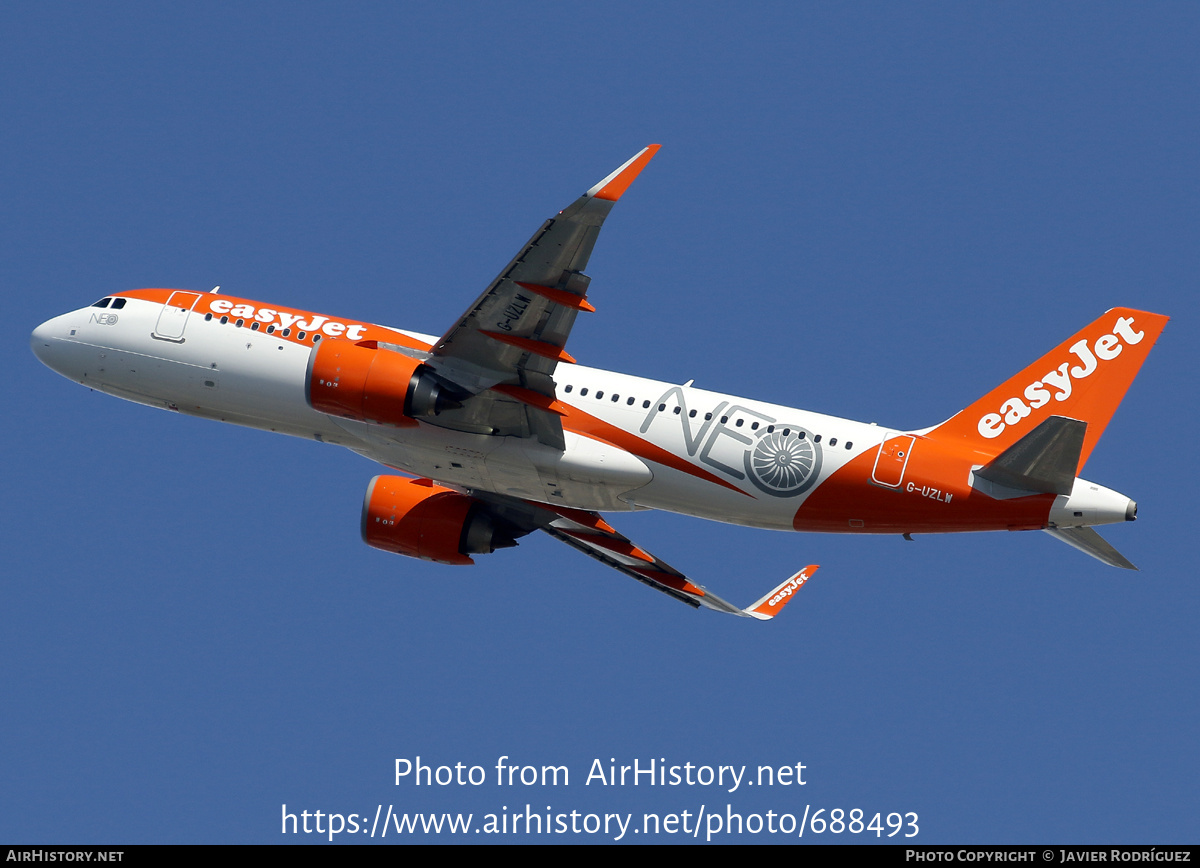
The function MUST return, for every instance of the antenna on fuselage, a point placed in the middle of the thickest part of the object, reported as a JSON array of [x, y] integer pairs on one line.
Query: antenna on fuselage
[[216, 289]]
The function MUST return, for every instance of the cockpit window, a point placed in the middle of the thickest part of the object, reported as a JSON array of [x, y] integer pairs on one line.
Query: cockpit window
[[118, 303], [102, 302]]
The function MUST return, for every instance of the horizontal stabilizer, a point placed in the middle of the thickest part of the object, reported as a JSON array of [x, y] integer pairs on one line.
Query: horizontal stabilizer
[[1044, 460], [1089, 542]]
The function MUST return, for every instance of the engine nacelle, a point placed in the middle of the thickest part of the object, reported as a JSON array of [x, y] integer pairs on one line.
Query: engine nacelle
[[363, 382], [417, 518]]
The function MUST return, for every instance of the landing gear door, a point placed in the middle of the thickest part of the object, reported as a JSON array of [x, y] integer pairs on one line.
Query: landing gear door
[[174, 316], [891, 460]]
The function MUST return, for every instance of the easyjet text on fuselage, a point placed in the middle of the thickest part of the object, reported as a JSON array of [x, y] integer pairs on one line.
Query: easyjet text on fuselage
[[286, 320]]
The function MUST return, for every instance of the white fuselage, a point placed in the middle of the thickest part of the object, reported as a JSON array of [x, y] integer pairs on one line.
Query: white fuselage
[[631, 443]]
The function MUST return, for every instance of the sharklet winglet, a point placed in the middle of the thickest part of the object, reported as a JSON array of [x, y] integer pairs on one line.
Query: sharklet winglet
[[615, 185], [773, 602]]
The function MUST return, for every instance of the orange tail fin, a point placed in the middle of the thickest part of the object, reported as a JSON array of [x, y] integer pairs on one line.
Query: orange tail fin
[[1085, 377]]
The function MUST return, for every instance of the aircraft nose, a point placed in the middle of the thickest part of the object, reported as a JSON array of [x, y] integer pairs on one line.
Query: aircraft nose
[[39, 341], [45, 342]]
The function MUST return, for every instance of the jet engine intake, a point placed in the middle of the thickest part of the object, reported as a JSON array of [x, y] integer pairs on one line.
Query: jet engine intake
[[367, 383], [420, 519]]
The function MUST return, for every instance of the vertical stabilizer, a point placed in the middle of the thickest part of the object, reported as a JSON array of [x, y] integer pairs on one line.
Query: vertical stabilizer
[[1084, 378]]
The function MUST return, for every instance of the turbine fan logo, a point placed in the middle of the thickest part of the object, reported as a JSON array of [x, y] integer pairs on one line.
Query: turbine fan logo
[[784, 466]]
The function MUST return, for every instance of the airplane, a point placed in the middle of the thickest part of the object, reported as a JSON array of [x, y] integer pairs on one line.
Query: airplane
[[502, 433]]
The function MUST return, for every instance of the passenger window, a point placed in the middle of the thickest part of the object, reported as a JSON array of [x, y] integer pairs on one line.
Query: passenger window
[[833, 441], [599, 394], [848, 444], [583, 391], [645, 404], [568, 389]]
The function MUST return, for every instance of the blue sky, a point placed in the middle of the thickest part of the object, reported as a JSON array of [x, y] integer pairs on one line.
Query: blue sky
[[878, 212]]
